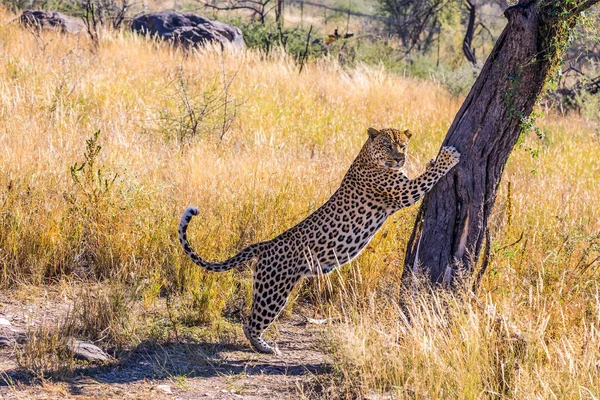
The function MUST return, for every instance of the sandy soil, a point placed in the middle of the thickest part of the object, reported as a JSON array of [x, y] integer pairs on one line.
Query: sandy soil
[[187, 370]]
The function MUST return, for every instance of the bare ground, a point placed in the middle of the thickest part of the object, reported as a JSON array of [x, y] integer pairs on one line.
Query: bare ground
[[189, 370]]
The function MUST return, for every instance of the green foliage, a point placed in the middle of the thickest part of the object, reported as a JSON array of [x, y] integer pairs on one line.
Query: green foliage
[[359, 50], [457, 81], [268, 37], [557, 33], [69, 7], [92, 209], [528, 124], [106, 10], [588, 105], [91, 186], [418, 23]]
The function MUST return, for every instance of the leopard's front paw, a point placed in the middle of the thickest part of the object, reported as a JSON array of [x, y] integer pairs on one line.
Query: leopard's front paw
[[448, 157]]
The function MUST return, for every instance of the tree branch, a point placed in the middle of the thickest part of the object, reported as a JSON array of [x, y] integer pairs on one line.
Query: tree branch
[[467, 49], [576, 10]]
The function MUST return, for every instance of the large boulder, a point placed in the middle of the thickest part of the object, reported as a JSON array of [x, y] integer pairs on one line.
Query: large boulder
[[187, 29], [51, 20]]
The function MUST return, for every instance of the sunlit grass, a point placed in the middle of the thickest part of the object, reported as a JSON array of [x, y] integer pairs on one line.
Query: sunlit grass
[[287, 141]]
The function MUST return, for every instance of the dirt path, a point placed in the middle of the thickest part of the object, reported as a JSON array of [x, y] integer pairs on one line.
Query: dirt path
[[187, 370]]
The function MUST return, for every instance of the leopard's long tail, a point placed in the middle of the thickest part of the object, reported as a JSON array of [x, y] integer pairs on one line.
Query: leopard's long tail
[[242, 257]]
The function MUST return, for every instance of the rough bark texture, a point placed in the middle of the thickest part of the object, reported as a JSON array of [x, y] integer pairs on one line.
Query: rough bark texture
[[451, 225]]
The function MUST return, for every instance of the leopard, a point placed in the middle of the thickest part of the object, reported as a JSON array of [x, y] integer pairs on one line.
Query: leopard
[[375, 187]]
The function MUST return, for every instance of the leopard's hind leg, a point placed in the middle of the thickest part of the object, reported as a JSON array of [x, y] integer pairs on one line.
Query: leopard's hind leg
[[272, 286]]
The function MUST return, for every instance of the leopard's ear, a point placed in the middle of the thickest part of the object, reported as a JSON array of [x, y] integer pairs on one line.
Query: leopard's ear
[[373, 133], [408, 134]]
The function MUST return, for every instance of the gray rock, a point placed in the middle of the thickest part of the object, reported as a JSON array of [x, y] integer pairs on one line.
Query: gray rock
[[187, 29], [51, 20], [166, 389], [87, 351], [9, 335]]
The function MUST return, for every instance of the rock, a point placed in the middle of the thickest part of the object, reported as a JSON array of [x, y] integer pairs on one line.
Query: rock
[[187, 29], [51, 20], [4, 322], [316, 321], [9, 335], [87, 351], [166, 389]]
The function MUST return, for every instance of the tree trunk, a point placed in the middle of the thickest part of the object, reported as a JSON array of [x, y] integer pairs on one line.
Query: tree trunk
[[452, 222], [279, 13]]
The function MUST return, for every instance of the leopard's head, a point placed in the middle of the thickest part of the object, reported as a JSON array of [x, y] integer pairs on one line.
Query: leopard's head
[[387, 147]]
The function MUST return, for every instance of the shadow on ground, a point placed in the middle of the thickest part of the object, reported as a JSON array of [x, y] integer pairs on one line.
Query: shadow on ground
[[152, 361]]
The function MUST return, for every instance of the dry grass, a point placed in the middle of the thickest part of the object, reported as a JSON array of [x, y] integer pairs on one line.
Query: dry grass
[[261, 164], [46, 353], [292, 138]]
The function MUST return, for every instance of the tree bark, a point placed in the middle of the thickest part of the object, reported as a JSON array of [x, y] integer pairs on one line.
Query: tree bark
[[452, 222]]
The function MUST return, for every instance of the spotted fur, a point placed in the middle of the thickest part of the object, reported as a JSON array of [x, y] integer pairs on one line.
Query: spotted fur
[[374, 188]]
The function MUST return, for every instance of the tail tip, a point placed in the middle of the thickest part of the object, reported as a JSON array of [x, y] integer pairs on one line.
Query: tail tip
[[191, 211]]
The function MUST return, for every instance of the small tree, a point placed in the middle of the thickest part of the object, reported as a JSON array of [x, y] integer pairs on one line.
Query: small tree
[[415, 22]]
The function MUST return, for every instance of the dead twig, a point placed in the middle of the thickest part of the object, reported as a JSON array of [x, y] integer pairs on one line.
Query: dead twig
[[305, 50]]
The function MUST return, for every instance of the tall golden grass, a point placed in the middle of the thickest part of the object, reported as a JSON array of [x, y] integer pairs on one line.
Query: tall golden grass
[[257, 146]]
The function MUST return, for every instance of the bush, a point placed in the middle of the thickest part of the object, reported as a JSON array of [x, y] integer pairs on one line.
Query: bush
[[267, 37]]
